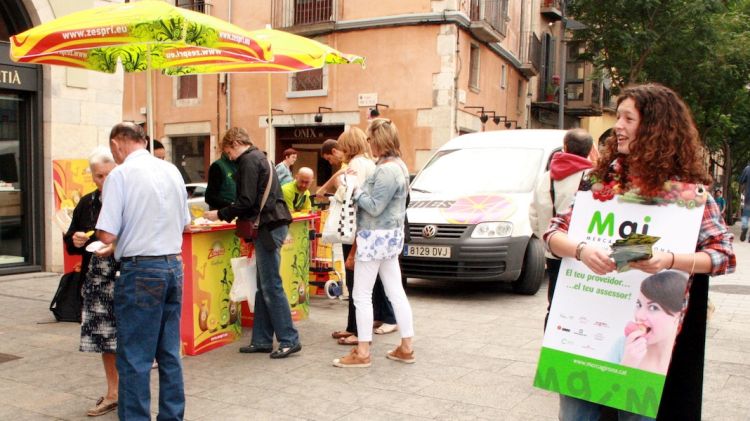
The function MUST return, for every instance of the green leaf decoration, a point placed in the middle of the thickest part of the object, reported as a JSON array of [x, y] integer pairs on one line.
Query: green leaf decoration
[[179, 71], [141, 31], [201, 35], [158, 57], [99, 59], [134, 59], [169, 29]]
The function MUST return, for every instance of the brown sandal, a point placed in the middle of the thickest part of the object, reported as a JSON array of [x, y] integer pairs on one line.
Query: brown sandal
[[348, 340], [399, 354], [102, 407], [341, 334]]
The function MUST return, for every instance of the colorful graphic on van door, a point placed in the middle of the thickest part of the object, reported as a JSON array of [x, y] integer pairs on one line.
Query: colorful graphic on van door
[[478, 208]]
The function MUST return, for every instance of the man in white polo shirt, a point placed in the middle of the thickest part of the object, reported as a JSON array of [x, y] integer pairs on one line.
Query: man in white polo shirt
[[145, 212]]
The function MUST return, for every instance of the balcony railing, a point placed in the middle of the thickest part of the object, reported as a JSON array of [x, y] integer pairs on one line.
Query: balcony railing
[[531, 55], [200, 6], [291, 13], [552, 9]]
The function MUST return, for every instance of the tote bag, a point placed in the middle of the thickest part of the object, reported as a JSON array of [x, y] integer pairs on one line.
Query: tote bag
[[245, 283], [341, 225]]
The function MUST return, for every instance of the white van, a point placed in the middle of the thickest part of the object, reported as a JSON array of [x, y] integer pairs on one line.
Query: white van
[[469, 209]]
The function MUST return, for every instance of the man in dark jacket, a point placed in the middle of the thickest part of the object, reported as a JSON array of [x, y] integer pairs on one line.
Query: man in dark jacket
[[272, 313], [555, 192], [221, 190]]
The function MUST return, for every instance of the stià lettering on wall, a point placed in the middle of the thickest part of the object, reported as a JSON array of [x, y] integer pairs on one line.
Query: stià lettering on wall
[[10, 77]]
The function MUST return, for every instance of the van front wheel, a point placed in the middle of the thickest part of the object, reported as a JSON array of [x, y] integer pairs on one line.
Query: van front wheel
[[533, 269]]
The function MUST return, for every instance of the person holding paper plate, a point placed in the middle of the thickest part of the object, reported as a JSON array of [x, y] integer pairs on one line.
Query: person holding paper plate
[[98, 332], [655, 142]]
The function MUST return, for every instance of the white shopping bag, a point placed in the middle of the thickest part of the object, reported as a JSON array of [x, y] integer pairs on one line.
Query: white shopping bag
[[245, 283], [341, 225]]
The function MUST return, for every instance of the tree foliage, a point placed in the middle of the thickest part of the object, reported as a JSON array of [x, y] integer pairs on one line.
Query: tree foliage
[[700, 48]]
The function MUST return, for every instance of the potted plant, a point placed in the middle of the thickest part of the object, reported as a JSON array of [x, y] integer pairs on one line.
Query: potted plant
[[549, 92]]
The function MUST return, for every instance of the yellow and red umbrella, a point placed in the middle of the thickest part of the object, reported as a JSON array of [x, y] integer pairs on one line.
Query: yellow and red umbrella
[[291, 53], [141, 36], [134, 34]]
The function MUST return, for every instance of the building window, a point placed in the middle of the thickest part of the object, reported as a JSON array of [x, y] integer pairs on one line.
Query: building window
[[188, 87], [575, 72], [310, 80], [308, 83], [195, 5], [474, 67], [548, 68], [312, 11], [494, 12], [503, 76]]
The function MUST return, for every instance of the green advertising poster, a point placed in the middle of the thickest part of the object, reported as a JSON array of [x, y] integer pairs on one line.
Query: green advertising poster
[[295, 268], [609, 338]]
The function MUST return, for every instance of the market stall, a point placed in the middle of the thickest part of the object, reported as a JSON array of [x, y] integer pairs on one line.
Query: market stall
[[209, 318]]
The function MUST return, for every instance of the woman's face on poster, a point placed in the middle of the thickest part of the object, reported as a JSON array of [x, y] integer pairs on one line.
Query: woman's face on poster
[[660, 325]]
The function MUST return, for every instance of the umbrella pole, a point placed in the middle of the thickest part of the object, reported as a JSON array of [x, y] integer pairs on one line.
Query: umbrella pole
[[271, 147], [149, 102]]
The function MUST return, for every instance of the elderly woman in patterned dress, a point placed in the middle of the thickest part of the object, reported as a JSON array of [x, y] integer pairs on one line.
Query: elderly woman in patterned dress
[[97, 318]]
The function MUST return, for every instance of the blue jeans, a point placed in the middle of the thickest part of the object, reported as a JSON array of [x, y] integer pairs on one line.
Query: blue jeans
[[745, 217], [147, 303], [272, 312], [573, 409]]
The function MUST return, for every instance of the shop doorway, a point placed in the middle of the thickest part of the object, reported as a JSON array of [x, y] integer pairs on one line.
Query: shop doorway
[[191, 155], [306, 140], [14, 244]]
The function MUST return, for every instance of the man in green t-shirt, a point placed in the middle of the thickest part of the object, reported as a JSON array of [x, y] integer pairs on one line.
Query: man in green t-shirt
[[221, 190], [296, 194]]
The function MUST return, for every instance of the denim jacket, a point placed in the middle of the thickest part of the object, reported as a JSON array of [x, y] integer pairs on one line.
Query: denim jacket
[[382, 199]]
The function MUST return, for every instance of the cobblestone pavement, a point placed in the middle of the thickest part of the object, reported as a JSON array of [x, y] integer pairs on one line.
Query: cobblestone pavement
[[476, 350]]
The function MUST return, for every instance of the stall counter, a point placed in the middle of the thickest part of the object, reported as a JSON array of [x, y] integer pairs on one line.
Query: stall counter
[[209, 318]]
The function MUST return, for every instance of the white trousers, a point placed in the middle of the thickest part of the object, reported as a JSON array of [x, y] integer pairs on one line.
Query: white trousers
[[364, 280]]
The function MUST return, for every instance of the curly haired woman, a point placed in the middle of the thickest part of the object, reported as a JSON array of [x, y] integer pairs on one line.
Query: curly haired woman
[[655, 141]]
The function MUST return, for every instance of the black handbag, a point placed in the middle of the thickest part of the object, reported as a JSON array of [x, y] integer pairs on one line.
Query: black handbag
[[67, 303], [246, 228]]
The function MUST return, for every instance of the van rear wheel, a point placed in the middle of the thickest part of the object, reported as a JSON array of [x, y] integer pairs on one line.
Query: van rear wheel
[[533, 269]]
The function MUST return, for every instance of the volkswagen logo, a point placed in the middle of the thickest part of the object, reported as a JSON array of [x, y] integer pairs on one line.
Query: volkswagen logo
[[429, 231]]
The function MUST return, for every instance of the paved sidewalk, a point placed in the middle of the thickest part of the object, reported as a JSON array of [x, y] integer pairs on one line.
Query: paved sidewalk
[[476, 350]]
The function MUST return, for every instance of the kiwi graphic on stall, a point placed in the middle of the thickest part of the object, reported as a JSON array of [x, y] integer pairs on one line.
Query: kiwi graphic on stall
[[224, 314], [302, 293], [234, 311], [203, 316]]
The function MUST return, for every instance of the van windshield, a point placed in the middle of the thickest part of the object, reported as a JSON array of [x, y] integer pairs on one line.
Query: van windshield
[[472, 171]]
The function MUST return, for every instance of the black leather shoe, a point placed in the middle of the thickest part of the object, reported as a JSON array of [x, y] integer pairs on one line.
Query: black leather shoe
[[252, 349], [285, 352]]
